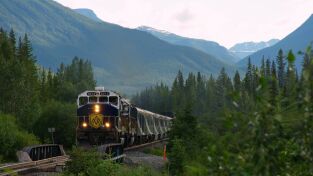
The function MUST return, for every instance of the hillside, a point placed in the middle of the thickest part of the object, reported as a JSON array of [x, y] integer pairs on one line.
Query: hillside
[[206, 46], [88, 13], [298, 40], [124, 59], [245, 49]]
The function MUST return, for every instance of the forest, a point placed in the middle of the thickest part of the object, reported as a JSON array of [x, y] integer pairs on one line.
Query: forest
[[33, 99], [260, 123], [257, 123]]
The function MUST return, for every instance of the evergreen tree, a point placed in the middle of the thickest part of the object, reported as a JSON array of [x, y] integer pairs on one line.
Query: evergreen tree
[[290, 85], [200, 94], [280, 68], [237, 82], [13, 41], [273, 87], [178, 95], [268, 69], [263, 67], [223, 88], [248, 80]]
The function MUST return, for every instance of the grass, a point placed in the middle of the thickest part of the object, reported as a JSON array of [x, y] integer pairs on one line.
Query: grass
[[158, 151]]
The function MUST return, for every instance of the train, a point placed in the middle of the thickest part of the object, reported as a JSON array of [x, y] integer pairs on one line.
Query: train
[[105, 117]]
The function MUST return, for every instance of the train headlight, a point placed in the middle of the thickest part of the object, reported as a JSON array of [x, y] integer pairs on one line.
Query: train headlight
[[84, 124], [96, 108], [107, 124]]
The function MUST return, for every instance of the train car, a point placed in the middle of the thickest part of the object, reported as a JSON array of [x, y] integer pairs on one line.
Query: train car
[[105, 117]]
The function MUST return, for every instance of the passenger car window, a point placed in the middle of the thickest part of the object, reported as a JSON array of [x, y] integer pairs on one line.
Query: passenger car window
[[83, 101], [113, 100], [93, 99]]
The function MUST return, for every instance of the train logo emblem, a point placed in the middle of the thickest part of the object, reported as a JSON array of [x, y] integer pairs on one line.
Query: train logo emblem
[[96, 120]]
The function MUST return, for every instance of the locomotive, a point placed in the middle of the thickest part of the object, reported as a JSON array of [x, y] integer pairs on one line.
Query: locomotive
[[105, 117]]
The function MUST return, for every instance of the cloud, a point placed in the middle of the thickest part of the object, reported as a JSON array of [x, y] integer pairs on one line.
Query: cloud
[[184, 16]]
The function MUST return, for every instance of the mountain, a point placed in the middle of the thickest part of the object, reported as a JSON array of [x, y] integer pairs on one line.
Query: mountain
[[298, 40], [125, 60], [88, 13], [208, 47], [245, 49]]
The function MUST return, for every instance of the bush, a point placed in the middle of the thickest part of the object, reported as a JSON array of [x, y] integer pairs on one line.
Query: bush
[[62, 117], [89, 163], [82, 161], [104, 168], [12, 138]]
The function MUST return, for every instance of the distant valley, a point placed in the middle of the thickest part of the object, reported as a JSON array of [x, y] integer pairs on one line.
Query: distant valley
[[242, 50]]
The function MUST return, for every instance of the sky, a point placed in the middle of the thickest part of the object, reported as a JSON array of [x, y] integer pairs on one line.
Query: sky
[[224, 21]]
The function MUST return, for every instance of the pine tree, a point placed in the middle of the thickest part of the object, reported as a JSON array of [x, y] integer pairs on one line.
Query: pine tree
[[223, 88], [281, 68], [268, 69], [13, 40], [210, 94], [200, 94], [263, 67], [248, 80], [237, 82], [273, 86], [190, 88], [290, 85], [43, 89], [178, 94]]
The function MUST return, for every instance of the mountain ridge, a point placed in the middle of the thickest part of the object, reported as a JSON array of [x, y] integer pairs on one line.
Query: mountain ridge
[[297, 40], [209, 47], [124, 59], [88, 13], [244, 49]]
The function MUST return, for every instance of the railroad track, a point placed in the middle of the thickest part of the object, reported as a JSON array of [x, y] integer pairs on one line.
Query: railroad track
[[144, 145], [33, 166]]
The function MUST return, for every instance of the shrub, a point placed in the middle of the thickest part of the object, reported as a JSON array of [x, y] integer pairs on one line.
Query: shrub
[[81, 161], [61, 116], [12, 138]]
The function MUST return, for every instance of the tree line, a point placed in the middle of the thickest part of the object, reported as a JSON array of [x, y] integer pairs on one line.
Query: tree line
[[33, 98], [258, 124]]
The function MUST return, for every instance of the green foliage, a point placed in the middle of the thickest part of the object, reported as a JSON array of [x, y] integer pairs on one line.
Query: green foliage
[[12, 138], [67, 82], [177, 156], [81, 161], [158, 151], [89, 163], [259, 125], [62, 117], [18, 80], [36, 98], [137, 171]]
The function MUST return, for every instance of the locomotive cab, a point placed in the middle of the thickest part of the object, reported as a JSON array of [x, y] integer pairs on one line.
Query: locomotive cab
[[98, 116]]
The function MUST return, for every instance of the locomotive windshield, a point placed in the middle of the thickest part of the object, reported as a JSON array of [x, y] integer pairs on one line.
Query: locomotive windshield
[[83, 100], [103, 99], [113, 100], [93, 99]]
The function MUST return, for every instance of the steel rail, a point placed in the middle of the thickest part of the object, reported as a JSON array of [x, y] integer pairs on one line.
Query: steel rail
[[144, 145]]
